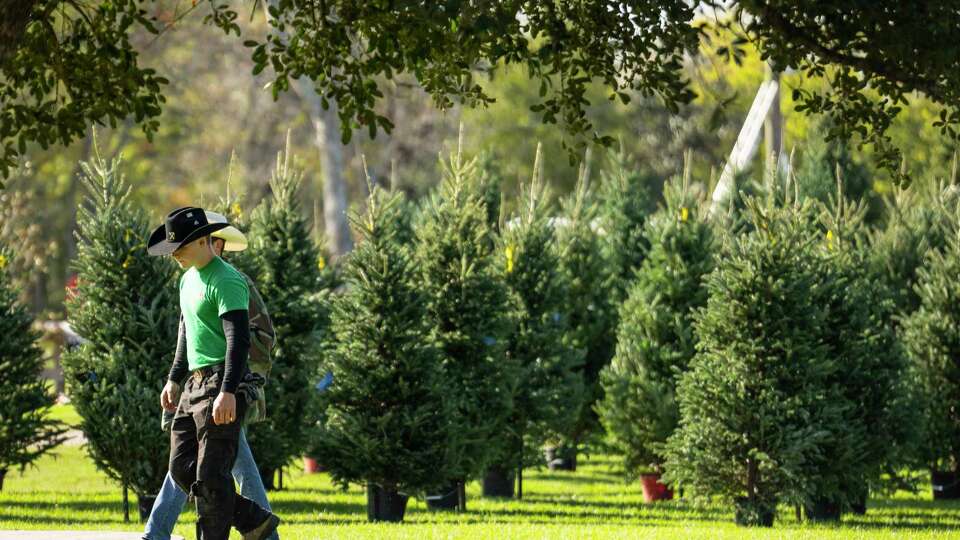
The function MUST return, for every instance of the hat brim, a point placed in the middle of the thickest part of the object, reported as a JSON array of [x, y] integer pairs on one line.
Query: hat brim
[[233, 239], [158, 245]]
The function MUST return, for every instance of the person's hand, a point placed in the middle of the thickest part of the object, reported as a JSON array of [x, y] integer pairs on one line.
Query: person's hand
[[170, 396], [224, 408]]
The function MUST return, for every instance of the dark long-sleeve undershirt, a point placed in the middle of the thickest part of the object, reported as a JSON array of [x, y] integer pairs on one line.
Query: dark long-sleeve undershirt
[[180, 369], [236, 330]]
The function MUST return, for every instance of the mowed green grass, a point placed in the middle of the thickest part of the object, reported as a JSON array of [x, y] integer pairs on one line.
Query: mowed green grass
[[66, 414], [67, 492]]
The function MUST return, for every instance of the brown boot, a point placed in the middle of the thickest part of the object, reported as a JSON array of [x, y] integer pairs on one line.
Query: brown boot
[[265, 529]]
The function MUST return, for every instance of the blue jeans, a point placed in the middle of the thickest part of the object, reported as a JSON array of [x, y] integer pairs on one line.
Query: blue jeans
[[171, 499]]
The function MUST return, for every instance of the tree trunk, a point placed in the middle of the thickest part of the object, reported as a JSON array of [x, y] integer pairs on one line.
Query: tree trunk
[[520, 480], [326, 126], [462, 496], [126, 504]]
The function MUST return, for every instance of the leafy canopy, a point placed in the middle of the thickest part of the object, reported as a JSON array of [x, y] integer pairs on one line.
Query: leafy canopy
[[65, 63]]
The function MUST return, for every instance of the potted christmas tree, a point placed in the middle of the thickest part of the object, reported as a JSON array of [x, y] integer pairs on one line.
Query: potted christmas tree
[[871, 366], [547, 391], [468, 313], [655, 337], [126, 308], [918, 225], [293, 279], [589, 314], [387, 420], [931, 336], [756, 406]]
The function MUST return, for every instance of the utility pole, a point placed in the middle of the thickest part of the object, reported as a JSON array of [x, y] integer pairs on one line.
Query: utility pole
[[764, 117]]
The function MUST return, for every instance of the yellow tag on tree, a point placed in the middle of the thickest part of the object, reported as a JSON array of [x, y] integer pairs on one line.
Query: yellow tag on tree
[[3, 262], [509, 259], [321, 262], [684, 213], [829, 239]]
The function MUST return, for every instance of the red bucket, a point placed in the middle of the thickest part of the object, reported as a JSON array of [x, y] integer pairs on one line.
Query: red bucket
[[653, 490], [310, 465]]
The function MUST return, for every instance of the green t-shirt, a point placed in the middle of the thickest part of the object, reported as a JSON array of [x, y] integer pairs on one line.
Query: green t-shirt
[[205, 295]]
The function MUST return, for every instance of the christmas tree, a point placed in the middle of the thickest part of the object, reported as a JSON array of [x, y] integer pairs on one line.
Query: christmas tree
[[626, 200], [547, 391], [126, 308], [468, 310], [756, 406], [822, 162], [26, 432], [387, 418], [491, 186], [931, 335], [871, 366], [655, 336], [915, 226], [587, 276], [285, 264]]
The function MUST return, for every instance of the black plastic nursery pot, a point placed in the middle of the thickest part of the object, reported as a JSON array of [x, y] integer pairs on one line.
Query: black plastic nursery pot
[[561, 458], [823, 511], [145, 505], [945, 484], [858, 504], [385, 505], [859, 507], [267, 476], [446, 499], [498, 483], [753, 513]]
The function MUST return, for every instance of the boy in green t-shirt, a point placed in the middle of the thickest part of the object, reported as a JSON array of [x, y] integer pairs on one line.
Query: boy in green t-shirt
[[212, 347]]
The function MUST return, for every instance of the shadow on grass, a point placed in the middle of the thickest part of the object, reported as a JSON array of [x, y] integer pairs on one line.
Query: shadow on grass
[[593, 478], [582, 512], [896, 524], [33, 517], [317, 511], [916, 504], [74, 505], [626, 506]]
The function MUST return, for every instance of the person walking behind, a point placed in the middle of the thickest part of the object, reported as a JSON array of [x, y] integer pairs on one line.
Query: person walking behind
[[171, 500], [212, 347]]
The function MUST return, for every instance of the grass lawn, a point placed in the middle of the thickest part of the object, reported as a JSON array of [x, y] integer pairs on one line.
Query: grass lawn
[[66, 414], [67, 492]]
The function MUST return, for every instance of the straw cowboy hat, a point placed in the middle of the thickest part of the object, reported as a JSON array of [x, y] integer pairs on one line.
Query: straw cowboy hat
[[233, 239]]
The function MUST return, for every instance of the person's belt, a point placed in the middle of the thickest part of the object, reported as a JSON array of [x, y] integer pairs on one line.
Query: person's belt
[[202, 373]]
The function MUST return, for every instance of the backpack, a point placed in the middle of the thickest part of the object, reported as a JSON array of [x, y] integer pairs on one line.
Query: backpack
[[262, 339]]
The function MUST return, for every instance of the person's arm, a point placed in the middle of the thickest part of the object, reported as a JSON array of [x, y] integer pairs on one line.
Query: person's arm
[[179, 369], [236, 329], [232, 297]]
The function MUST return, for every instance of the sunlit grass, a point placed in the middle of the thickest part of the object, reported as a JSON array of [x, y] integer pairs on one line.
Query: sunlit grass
[[67, 492]]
